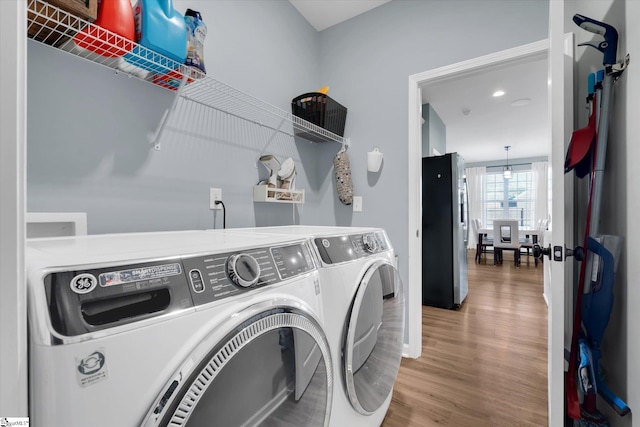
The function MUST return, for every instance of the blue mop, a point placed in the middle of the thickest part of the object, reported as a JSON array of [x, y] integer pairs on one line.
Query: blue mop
[[596, 312]]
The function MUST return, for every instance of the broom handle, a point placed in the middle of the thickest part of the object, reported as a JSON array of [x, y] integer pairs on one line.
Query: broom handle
[[598, 172]]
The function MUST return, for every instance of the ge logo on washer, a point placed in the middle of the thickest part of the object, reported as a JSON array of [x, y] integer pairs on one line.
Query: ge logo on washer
[[83, 283]]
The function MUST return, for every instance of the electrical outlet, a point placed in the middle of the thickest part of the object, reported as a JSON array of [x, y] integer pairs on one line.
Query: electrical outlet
[[357, 203], [215, 194]]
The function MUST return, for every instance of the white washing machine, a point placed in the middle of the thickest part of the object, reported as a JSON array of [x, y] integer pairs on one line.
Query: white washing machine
[[176, 329], [364, 310]]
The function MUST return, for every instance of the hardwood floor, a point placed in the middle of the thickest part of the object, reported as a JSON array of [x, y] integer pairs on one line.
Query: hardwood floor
[[482, 365]]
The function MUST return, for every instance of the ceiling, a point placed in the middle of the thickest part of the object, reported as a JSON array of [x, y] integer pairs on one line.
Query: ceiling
[[322, 14], [490, 123], [479, 125]]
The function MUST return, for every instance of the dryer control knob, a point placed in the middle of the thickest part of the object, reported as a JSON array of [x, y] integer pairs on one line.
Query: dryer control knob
[[243, 270], [370, 243]]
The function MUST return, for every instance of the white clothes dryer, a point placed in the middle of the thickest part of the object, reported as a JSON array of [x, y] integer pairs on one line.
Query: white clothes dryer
[[364, 310], [176, 329]]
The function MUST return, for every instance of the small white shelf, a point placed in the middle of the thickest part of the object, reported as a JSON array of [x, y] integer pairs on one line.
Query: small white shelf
[[262, 193], [55, 27], [56, 224]]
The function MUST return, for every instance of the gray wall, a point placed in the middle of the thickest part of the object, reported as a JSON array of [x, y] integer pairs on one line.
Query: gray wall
[[434, 132], [87, 130], [367, 61], [87, 127]]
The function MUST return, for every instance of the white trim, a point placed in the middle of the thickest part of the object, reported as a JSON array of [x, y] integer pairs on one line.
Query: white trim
[[13, 124], [414, 292], [414, 288]]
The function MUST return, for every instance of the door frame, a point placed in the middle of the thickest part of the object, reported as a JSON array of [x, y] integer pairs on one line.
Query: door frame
[[413, 347], [13, 128], [416, 81]]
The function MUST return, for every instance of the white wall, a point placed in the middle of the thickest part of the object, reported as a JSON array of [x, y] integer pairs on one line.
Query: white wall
[[434, 132], [621, 343]]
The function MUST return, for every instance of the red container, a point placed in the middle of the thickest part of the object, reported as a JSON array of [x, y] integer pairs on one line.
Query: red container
[[115, 16]]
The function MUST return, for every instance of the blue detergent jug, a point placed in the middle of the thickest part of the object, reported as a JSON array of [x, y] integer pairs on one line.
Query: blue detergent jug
[[160, 28]]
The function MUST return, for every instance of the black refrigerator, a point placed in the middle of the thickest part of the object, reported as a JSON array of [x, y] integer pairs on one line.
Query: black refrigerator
[[444, 231]]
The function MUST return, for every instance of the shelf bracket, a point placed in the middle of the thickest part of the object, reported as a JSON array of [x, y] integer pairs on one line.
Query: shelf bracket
[[270, 140], [155, 140]]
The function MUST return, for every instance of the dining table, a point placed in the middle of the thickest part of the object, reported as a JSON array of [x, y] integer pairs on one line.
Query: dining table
[[530, 236]]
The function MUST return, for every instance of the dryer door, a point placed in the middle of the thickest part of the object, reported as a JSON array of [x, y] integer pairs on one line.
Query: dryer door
[[274, 369], [374, 338]]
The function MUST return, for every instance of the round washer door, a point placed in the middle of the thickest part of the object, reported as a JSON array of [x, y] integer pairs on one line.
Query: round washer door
[[274, 369], [374, 338]]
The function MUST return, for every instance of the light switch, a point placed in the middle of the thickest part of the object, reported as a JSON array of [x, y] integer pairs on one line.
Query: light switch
[[357, 203]]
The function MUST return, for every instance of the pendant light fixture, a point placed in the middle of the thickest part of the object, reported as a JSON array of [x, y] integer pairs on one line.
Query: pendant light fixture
[[507, 169]]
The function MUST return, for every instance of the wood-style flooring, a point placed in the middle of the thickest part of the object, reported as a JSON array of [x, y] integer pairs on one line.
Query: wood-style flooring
[[484, 364]]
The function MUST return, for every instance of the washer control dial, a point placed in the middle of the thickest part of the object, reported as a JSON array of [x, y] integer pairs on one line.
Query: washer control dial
[[370, 243], [243, 270]]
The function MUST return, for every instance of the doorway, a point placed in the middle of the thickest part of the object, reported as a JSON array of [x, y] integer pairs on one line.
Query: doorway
[[416, 83]]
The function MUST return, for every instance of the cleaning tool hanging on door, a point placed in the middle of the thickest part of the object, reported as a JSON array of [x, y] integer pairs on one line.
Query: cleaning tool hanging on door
[[579, 153], [595, 285]]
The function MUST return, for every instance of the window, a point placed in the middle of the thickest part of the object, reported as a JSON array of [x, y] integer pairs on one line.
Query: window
[[510, 198]]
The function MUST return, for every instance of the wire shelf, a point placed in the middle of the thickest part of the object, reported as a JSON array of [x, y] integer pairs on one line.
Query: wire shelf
[[59, 29]]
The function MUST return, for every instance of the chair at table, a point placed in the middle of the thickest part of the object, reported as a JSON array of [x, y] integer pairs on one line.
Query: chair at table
[[506, 237], [481, 246], [527, 242]]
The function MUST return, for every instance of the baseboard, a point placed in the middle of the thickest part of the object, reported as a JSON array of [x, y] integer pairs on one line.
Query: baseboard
[[407, 353]]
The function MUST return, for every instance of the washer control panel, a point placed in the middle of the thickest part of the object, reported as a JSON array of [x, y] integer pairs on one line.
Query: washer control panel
[[90, 299], [338, 249], [218, 276]]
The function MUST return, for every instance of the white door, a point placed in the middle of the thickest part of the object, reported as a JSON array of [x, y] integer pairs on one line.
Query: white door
[[561, 47]]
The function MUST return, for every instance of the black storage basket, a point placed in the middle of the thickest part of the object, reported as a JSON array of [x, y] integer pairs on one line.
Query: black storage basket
[[321, 110]]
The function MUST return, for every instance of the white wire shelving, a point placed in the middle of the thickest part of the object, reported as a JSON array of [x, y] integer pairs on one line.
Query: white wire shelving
[[52, 26]]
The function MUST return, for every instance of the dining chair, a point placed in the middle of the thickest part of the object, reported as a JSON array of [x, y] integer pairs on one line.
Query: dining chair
[[527, 241], [474, 231], [481, 247], [506, 236], [487, 241]]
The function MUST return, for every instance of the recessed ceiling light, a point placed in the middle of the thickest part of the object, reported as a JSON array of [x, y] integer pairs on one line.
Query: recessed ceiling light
[[498, 93], [521, 102]]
